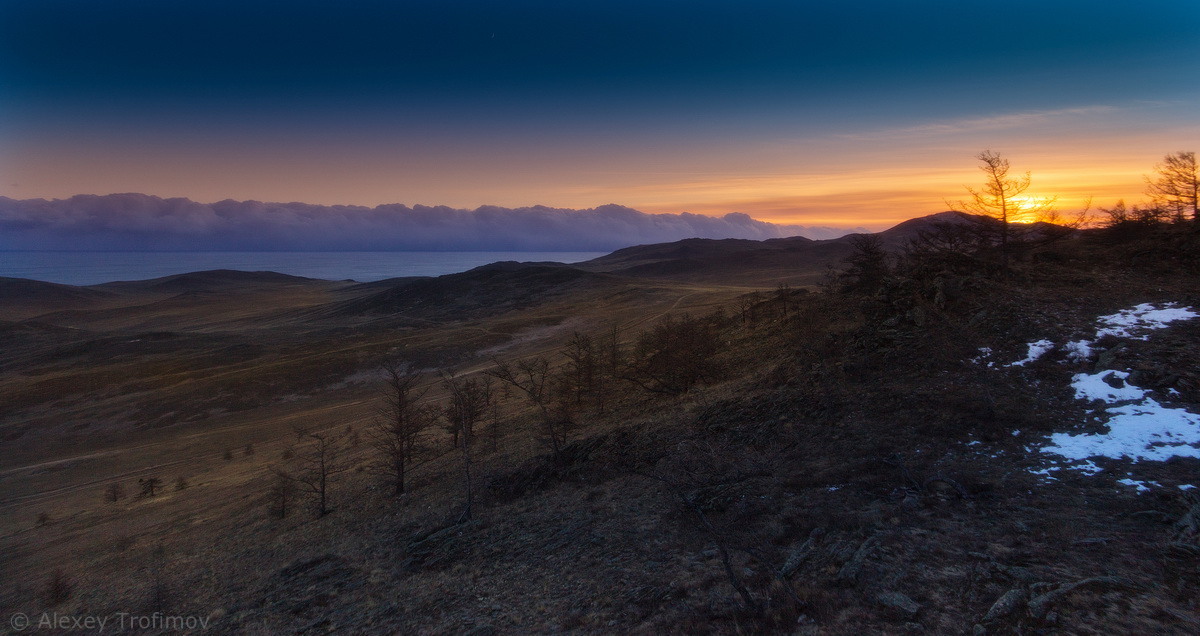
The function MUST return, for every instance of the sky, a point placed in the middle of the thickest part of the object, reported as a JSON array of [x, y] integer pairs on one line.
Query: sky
[[857, 113]]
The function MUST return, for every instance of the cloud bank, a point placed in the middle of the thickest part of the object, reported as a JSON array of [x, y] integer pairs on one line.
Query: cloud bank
[[139, 222]]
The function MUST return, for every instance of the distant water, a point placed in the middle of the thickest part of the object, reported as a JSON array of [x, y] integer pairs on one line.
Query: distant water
[[90, 268]]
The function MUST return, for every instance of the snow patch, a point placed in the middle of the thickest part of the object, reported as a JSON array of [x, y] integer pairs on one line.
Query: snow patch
[[1132, 323], [1087, 467], [1139, 427], [1078, 350], [1035, 351], [1143, 430], [1140, 485], [984, 353], [1107, 386]]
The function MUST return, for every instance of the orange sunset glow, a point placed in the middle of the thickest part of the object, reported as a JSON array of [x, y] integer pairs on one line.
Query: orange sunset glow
[[697, 118]]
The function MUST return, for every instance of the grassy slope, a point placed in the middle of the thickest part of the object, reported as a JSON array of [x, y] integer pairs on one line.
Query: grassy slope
[[845, 425]]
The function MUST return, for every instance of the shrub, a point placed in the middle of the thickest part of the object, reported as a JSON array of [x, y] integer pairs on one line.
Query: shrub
[[149, 485]]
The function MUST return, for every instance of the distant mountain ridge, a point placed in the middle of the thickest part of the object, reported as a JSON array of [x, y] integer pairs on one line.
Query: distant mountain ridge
[[794, 260], [140, 222]]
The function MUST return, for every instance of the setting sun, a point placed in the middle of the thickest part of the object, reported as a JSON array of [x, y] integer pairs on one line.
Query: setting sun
[[1027, 209]]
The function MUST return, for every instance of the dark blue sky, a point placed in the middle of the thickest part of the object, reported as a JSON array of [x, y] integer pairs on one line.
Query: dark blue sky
[[569, 103]]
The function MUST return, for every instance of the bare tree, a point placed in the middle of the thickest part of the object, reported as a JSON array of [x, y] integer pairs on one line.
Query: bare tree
[[867, 265], [1176, 185], [534, 378], [694, 468], [746, 304], [280, 492], [399, 428], [581, 373], [319, 460], [1002, 200], [469, 402], [114, 492], [1124, 218], [610, 358], [675, 355]]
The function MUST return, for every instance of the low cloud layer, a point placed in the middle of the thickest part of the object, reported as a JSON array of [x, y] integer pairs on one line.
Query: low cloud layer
[[138, 222]]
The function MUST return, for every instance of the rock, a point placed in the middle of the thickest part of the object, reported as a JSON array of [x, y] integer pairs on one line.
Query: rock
[[1114, 381], [1153, 515], [1040, 605], [917, 316], [1008, 603], [849, 571], [1188, 525], [946, 289], [1016, 573], [899, 602], [800, 553], [1107, 357]]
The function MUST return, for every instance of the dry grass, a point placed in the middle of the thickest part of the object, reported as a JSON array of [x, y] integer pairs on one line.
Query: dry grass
[[832, 427]]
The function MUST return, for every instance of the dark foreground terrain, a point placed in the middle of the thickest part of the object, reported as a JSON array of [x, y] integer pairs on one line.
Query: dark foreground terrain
[[730, 439]]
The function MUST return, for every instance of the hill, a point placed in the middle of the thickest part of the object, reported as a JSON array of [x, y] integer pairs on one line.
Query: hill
[[793, 261], [952, 447], [210, 280], [483, 291]]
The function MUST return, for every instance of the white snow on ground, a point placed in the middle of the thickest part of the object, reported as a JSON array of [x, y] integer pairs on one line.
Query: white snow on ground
[[1133, 323], [1140, 430], [1078, 350], [1139, 427], [1100, 386], [1128, 323], [984, 352], [1036, 350], [1141, 485]]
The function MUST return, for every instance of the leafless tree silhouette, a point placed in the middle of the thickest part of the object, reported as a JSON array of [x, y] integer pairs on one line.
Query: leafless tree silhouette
[[398, 431], [1176, 185], [320, 459], [468, 404], [1002, 200]]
